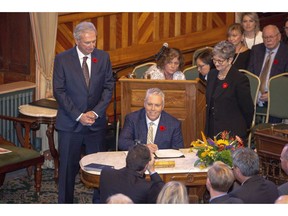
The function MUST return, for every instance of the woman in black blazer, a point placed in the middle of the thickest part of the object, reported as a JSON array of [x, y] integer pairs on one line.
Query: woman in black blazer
[[229, 105]]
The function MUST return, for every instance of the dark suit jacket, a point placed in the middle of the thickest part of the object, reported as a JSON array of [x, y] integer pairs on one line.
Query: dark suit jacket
[[256, 190], [130, 183], [283, 189], [233, 105], [257, 55], [225, 199], [72, 94], [168, 135]]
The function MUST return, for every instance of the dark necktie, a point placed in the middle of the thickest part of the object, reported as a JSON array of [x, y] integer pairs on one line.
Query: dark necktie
[[264, 73], [85, 70]]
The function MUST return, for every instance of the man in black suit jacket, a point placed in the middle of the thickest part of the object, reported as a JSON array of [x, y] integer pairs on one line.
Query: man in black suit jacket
[[219, 180], [81, 116], [254, 188], [167, 129], [278, 61], [130, 180]]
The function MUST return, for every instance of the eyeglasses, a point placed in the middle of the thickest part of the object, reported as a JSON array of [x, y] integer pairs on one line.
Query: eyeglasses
[[173, 63], [270, 37], [220, 62], [201, 66], [285, 28]]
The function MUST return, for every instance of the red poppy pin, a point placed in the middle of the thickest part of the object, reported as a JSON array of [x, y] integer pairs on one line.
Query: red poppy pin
[[275, 61], [225, 85], [95, 60], [162, 128]]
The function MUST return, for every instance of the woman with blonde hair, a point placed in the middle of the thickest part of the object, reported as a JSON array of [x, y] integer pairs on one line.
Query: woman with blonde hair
[[173, 192], [251, 25]]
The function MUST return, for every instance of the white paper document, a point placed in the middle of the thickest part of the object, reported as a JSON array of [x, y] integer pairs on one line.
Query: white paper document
[[168, 153]]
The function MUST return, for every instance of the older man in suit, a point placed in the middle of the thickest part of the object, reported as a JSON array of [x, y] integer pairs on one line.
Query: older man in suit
[[165, 129], [83, 94], [254, 188], [283, 189], [268, 59]]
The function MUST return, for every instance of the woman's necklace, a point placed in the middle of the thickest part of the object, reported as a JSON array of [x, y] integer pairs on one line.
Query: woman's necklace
[[237, 55]]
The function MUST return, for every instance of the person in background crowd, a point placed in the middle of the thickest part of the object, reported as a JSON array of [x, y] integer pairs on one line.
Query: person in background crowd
[[166, 129], [173, 192], [119, 199], [169, 66], [251, 26], [283, 189], [254, 188], [235, 35], [228, 97], [285, 32], [82, 102], [204, 63], [131, 180], [220, 178], [267, 60]]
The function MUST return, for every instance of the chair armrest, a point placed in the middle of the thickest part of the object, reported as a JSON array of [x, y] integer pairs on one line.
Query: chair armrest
[[19, 124]]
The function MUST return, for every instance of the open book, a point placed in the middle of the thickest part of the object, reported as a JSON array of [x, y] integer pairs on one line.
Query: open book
[[168, 153]]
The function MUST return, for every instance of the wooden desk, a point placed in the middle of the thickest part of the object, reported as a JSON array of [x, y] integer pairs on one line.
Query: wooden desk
[[269, 145], [184, 171], [46, 116]]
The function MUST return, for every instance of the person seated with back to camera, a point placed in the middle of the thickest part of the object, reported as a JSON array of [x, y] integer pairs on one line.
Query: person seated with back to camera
[[220, 179], [119, 198], [168, 66], [166, 129], [131, 180], [173, 192]]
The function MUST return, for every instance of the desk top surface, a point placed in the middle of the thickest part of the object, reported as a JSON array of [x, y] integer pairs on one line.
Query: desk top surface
[[117, 159], [16, 86], [37, 111]]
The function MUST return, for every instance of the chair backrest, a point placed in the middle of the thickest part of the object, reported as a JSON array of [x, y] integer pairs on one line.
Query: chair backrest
[[277, 96], [254, 89], [191, 73], [197, 51], [139, 70], [254, 84]]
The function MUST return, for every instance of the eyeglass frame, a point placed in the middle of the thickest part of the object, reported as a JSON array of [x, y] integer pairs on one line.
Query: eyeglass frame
[[220, 62], [201, 66], [270, 37]]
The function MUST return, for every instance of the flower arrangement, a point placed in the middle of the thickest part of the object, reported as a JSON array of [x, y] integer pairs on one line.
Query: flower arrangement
[[219, 149]]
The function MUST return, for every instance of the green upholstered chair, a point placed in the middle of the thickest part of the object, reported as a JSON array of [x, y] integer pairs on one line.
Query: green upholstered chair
[[139, 70], [20, 157], [191, 73], [254, 88]]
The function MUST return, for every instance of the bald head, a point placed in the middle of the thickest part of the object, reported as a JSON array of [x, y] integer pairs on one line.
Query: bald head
[[282, 200], [271, 36]]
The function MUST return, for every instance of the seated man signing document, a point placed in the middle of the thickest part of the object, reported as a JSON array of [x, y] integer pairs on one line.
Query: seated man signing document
[[151, 125]]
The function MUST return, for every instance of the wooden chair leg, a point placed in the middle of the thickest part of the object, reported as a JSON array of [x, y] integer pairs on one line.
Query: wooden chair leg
[[38, 178]]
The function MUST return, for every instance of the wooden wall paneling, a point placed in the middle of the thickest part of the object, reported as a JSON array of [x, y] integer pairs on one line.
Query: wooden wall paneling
[[100, 29], [125, 29], [113, 32], [156, 27], [178, 25]]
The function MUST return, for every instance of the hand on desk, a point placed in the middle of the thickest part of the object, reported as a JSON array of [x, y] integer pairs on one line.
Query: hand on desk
[[152, 147]]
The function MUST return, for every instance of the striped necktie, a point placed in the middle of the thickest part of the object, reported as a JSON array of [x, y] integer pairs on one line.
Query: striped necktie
[[85, 70], [150, 133], [264, 73]]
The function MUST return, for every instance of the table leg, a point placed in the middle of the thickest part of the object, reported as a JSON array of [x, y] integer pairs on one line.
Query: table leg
[[54, 152]]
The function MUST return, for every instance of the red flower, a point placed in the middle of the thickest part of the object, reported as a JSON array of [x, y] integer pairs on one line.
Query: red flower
[[95, 60], [162, 128], [225, 85], [275, 61]]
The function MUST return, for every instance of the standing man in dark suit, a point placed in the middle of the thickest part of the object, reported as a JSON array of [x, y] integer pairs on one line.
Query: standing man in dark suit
[[229, 103], [167, 132], [254, 188], [131, 180], [277, 63], [220, 178], [82, 100]]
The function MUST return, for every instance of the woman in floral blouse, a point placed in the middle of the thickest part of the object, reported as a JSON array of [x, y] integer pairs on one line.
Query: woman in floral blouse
[[168, 66]]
